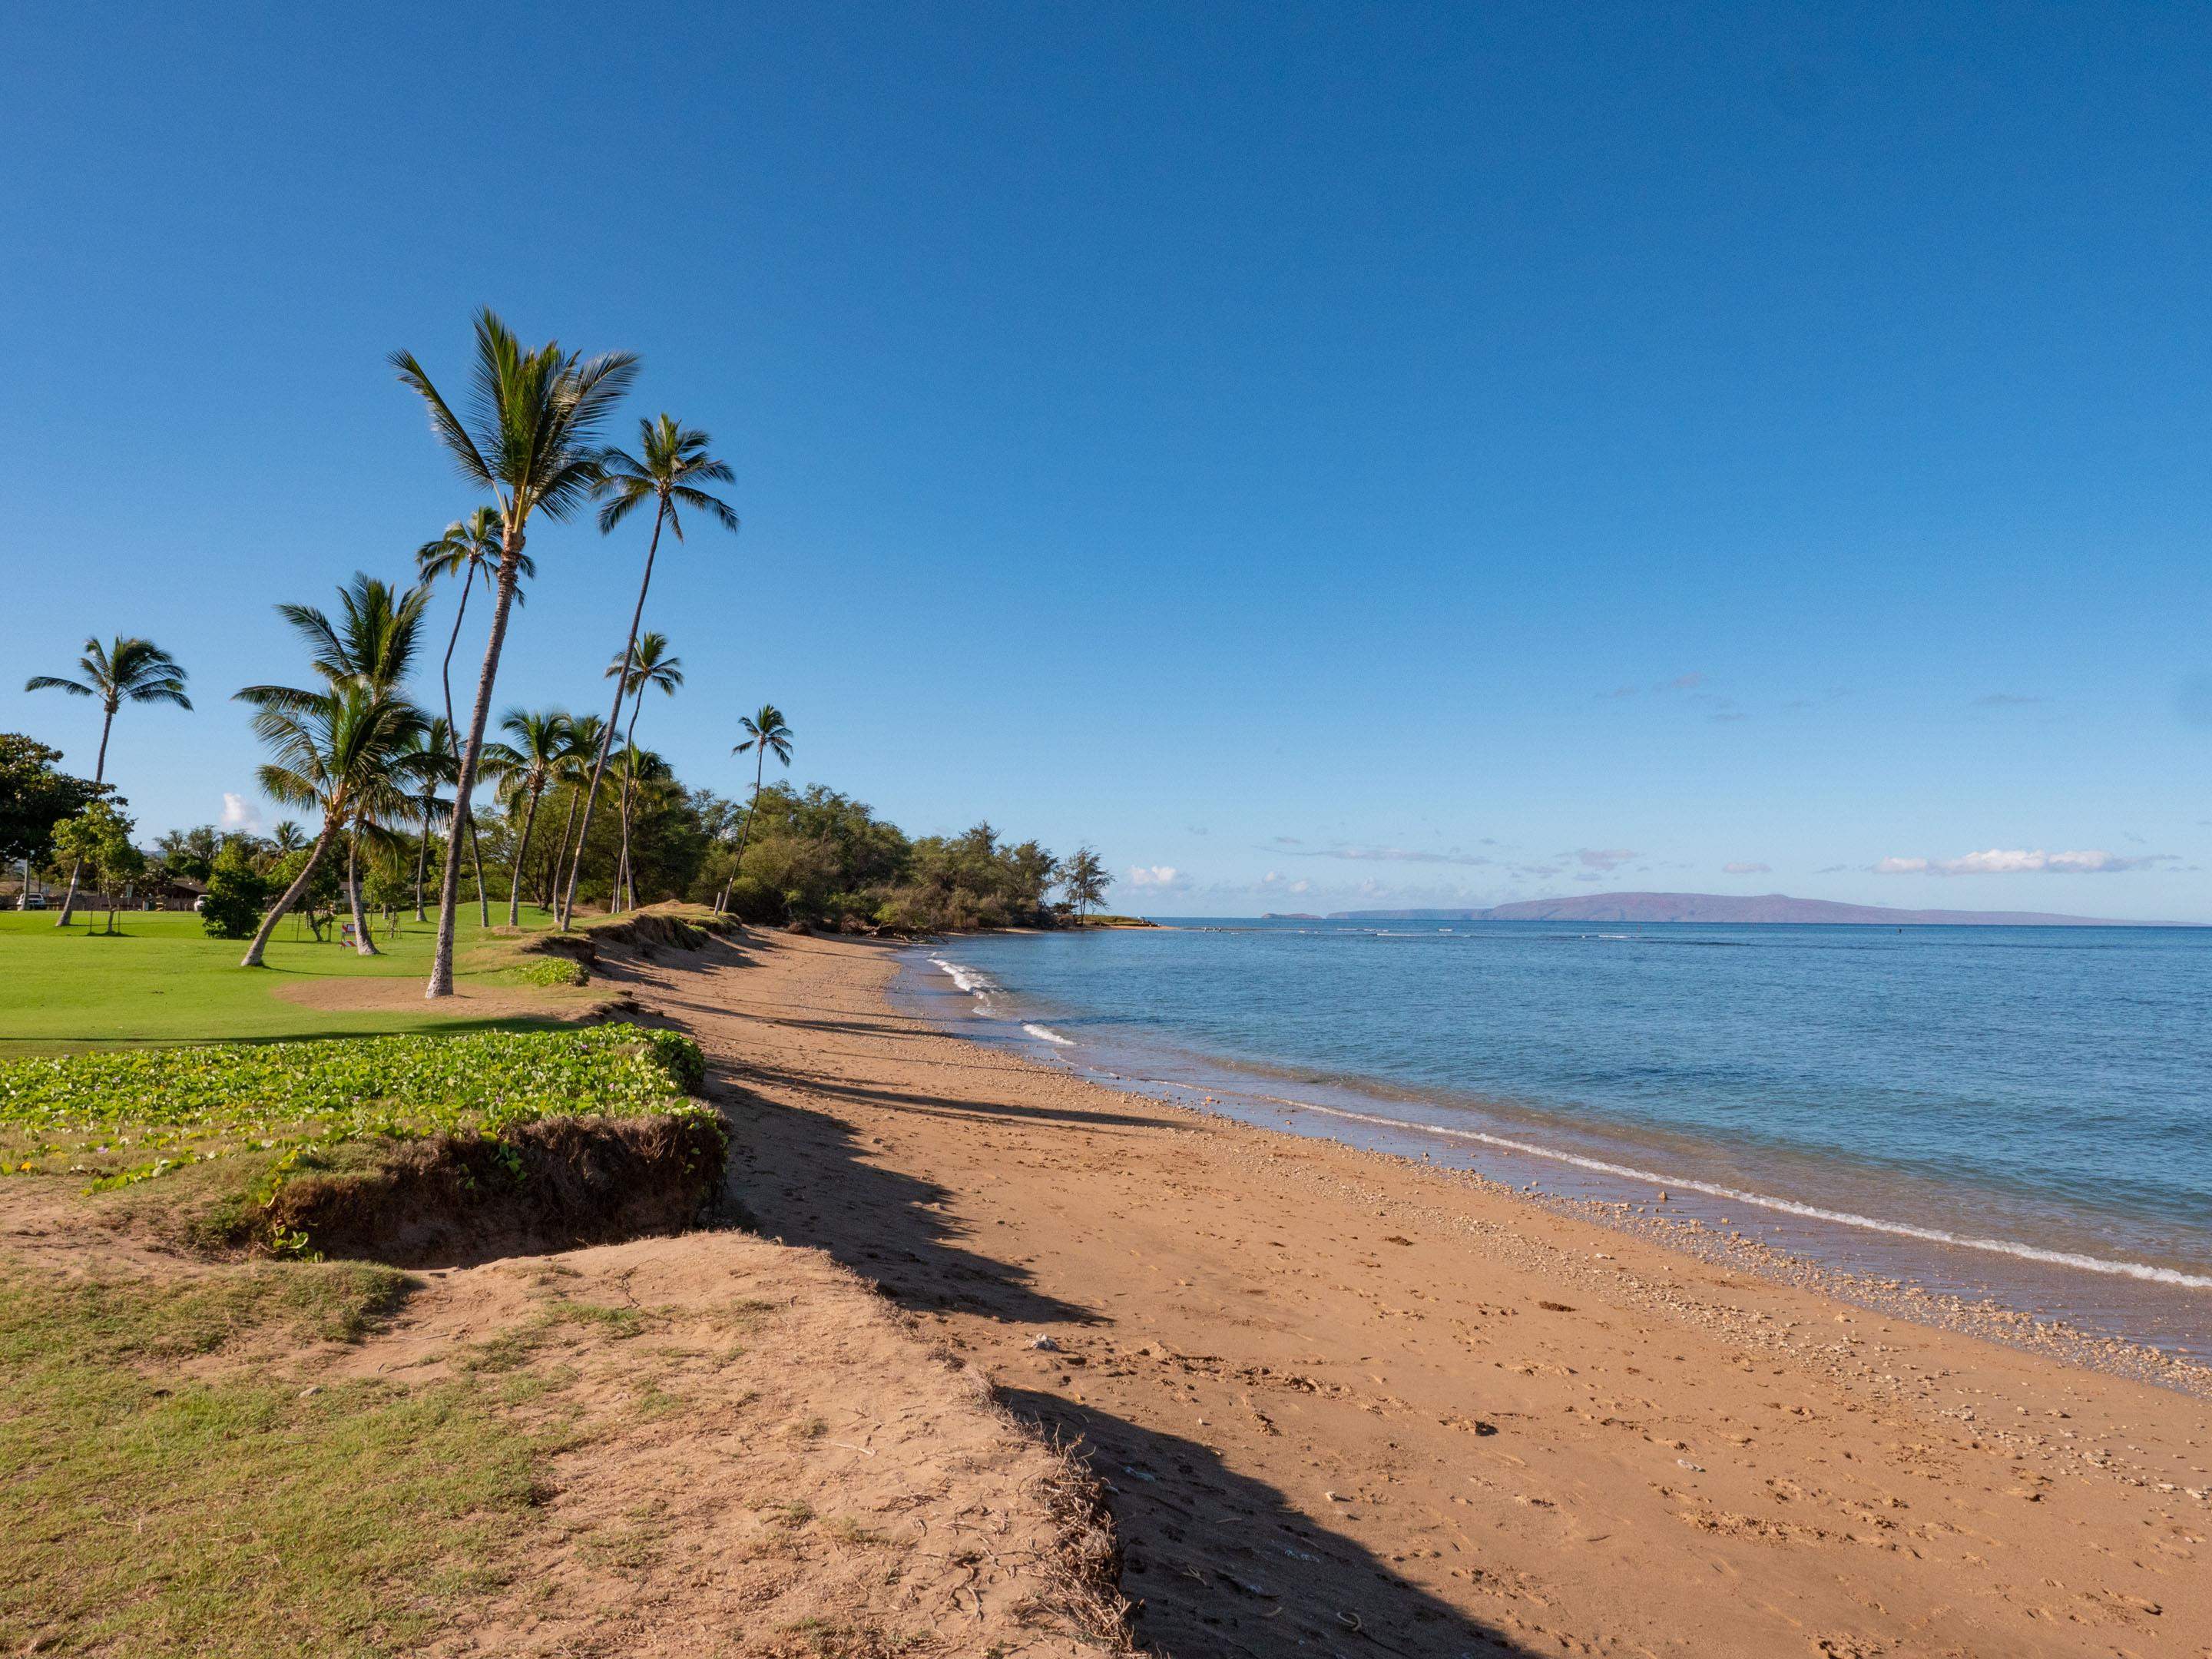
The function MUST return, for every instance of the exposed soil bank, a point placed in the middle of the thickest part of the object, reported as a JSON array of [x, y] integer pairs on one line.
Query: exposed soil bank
[[1341, 1400], [552, 1185]]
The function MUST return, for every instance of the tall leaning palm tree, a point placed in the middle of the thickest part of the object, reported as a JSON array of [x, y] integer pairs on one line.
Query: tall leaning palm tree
[[468, 547], [128, 670], [334, 751], [765, 734], [650, 663], [542, 738], [673, 462], [642, 778], [533, 440]]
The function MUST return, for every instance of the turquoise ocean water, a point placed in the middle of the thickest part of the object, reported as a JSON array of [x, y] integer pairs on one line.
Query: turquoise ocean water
[[2017, 1112]]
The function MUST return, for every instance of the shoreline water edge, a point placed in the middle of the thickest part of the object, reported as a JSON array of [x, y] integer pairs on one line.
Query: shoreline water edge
[[2149, 1320]]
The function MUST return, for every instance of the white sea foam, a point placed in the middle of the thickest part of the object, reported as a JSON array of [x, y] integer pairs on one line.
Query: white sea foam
[[969, 979], [1048, 1035], [2142, 1270]]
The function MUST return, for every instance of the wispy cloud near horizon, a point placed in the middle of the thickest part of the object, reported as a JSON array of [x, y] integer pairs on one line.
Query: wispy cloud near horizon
[[1747, 869], [2002, 861]]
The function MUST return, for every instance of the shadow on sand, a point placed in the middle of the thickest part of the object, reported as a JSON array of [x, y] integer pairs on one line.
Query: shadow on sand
[[1217, 1563]]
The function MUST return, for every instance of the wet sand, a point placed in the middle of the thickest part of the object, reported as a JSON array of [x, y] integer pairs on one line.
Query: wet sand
[[1345, 1403]]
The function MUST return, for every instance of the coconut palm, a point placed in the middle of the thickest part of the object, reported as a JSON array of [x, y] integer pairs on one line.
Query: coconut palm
[[128, 670], [574, 774], [336, 752], [640, 776], [765, 734], [468, 546], [287, 837], [542, 740], [370, 644], [649, 663], [534, 444], [429, 764], [671, 463]]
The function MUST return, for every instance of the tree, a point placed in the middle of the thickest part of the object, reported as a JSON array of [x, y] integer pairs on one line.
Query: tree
[[428, 762], [128, 670], [542, 738], [1085, 880], [337, 754], [235, 893], [533, 445], [287, 837], [672, 462], [574, 772], [188, 854], [97, 839], [649, 664], [765, 734], [469, 545], [371, 646], [35, 796]]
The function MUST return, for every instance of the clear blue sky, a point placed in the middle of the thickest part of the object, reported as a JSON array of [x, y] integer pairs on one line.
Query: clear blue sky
[[1430, 454]]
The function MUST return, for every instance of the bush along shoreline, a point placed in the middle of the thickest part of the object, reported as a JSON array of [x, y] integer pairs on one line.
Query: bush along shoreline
[[406, 1149]]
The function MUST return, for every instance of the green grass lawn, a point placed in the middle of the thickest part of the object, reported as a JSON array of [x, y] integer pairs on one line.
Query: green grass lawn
[[162, 980]]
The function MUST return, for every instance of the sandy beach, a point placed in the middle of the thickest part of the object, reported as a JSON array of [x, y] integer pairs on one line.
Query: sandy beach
[[1343, 1403]]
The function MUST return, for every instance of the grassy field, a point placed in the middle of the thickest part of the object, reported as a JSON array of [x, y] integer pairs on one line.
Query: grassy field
[[161, 980]]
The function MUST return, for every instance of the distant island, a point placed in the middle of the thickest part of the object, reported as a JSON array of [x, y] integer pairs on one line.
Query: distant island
[[1717, 907]]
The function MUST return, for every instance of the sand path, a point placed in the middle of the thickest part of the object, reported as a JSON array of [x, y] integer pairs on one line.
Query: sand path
[[1347, 1404]]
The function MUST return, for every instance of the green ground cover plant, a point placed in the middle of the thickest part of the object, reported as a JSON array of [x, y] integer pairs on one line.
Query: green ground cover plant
[[119, 1118]]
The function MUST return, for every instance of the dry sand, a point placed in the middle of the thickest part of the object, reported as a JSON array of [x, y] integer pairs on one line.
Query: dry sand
[[1344, 1404]]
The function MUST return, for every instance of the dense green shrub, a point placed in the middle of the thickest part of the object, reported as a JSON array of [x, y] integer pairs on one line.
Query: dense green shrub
[[237, 894], [553, 971]]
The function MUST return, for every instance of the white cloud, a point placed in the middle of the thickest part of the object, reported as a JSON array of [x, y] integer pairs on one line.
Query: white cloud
[[2000, 861], [1159, 877], [238, 813], [1747, 869], [1604, 858]]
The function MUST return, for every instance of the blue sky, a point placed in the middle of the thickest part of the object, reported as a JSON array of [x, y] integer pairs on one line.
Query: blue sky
[[1324, 456]]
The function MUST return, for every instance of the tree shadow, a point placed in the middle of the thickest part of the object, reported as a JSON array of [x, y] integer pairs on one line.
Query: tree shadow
[[800, 1176], [1218, 1563]]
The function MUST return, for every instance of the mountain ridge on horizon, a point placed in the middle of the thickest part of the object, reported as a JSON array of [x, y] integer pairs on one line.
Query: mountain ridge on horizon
[[1730, 907]]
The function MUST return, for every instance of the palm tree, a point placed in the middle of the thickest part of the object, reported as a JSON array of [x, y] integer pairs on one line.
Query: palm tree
[[428, 762], [287, 837], [371, 645], [574, 771], [533, 446], [649, 663], [469, 545], [542, 738], [336, 752], [639, 774], [765, 734], [673, 463], [128, 670]]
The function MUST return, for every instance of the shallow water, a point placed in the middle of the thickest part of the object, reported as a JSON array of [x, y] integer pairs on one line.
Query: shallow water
[[2018, 1112]]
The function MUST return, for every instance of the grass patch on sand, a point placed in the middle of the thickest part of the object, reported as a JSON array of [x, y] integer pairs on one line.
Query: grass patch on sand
[[168, 1483], [162, 981]]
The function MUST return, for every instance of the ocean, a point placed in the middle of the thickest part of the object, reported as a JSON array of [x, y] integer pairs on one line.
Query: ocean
[[2019, 1113]]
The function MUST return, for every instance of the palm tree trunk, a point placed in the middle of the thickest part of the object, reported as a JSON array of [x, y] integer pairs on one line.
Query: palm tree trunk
[[291, 895], [746, 828], [522, 846], [362, 944], [422, 853], [630, 747], [98, 774], [449, 890], [483, 896], [614, 718], [560, 853]]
